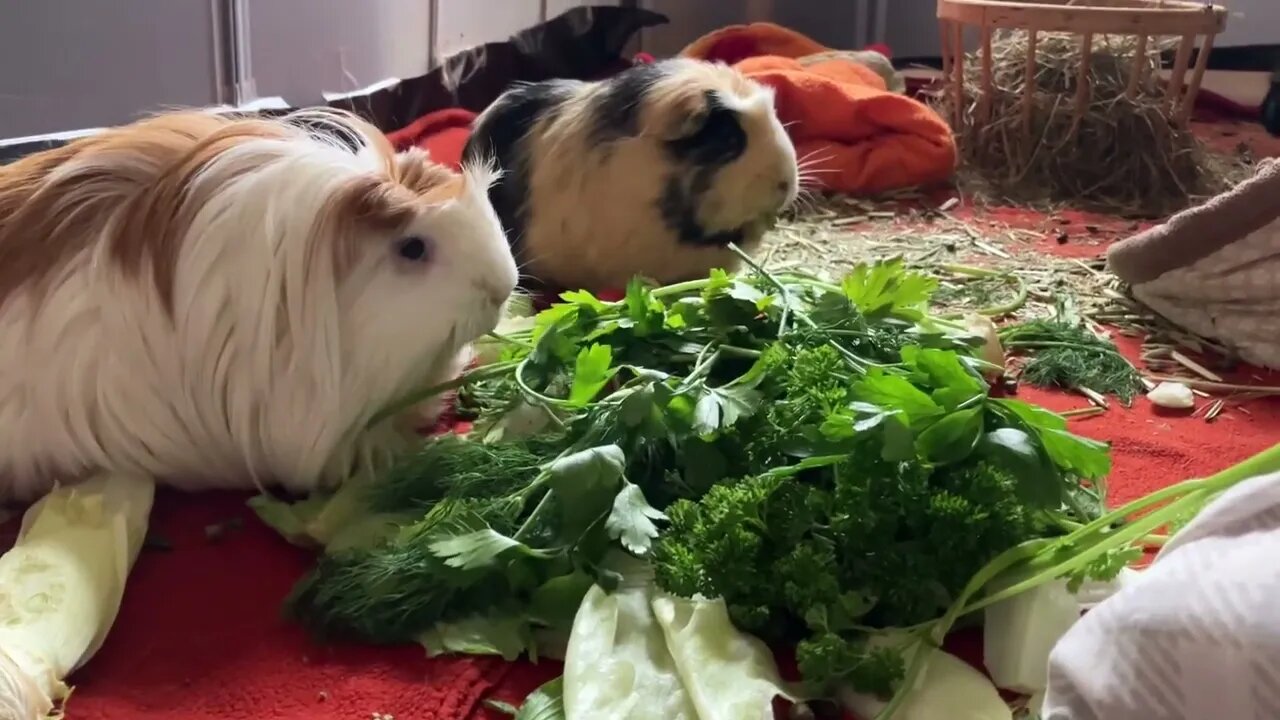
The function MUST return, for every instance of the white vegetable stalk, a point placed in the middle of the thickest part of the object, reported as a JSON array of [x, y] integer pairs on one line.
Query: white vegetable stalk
[[617, 666], [1093, 592], [1019, 633], [61, 586], [947, 689], [728, 674], [637, 654]]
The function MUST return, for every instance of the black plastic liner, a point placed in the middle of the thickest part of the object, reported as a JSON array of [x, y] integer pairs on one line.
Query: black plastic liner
[[582, 43]]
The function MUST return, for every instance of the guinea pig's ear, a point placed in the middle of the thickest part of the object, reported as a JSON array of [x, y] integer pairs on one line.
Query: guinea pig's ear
[[434, 183], [369, 203], [681, 113]]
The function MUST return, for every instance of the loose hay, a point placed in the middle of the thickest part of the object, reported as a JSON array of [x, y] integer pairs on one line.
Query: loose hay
[[1000, 271], [1121, 155]]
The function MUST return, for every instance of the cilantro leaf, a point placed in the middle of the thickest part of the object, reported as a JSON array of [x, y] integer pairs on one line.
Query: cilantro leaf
[[1083, 456], [593, 465], [478, 549], [631, 521], [899, 440], [645, 313], [582, 298], [955, 381], [506, 636], [1072, 453], [952, 438], [592, 371], [1035, 417], [887, 286], [586, 482], [1039, 482], [722, 407], [895, 392], [1104, 568]]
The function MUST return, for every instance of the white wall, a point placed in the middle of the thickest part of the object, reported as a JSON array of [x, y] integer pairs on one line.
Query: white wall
[[71, 64], [1253, 22], [466, 23], [302, 48]]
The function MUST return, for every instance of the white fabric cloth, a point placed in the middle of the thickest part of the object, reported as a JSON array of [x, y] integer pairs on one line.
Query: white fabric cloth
[[1196, 636]]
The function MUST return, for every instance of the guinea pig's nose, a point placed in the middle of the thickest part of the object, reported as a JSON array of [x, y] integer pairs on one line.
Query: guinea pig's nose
[[494, 293]]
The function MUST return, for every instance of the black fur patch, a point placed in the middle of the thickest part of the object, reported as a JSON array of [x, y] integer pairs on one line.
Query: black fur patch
[[701, 156], [615, 109], [503, 136], [678, 207]]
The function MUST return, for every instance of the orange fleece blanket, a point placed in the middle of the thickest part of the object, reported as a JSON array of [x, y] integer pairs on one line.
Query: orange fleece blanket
[[852, 133]]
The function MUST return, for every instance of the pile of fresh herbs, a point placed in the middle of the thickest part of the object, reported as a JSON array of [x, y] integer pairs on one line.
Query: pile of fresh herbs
[[826, 458]]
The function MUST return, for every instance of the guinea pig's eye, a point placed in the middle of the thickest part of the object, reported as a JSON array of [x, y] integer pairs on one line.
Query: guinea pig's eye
[[415, 248]]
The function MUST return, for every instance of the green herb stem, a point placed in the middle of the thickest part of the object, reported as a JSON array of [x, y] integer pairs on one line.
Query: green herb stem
[[509, 339], [1107, 542], [783, 290], [1013, 305], [1190, 494], [484, 372], [543, 503]]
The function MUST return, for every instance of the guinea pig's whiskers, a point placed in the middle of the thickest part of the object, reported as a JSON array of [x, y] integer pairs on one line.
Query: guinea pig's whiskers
[[814, 165], [813, 173], [525, 263], [806, 201], [810, 159]]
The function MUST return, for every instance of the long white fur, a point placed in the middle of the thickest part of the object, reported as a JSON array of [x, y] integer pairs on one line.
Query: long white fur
[[269, 369]]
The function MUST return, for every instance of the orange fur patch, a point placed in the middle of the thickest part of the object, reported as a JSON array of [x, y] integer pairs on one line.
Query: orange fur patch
[[53, 204]]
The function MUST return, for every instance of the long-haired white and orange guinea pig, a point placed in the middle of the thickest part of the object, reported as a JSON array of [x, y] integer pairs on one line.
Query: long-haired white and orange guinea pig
[[219, 300], [652, 172]]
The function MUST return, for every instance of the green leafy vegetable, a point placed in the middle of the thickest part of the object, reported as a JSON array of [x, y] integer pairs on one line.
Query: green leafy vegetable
[[631, 521], [825, 460], [591, 372]]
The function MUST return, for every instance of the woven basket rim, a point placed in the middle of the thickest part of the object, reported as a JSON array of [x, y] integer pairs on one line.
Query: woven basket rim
[[1175, 17], [1143, 6]]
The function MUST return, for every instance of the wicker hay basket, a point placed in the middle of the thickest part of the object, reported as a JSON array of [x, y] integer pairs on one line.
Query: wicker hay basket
[[1143, 19]]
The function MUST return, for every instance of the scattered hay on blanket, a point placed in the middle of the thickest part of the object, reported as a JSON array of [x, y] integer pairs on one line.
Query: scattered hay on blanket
[[1121, 155], [1001, 272], [997, 272]]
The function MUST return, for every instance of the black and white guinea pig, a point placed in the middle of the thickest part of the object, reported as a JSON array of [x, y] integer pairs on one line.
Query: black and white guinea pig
[[652, 172]]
